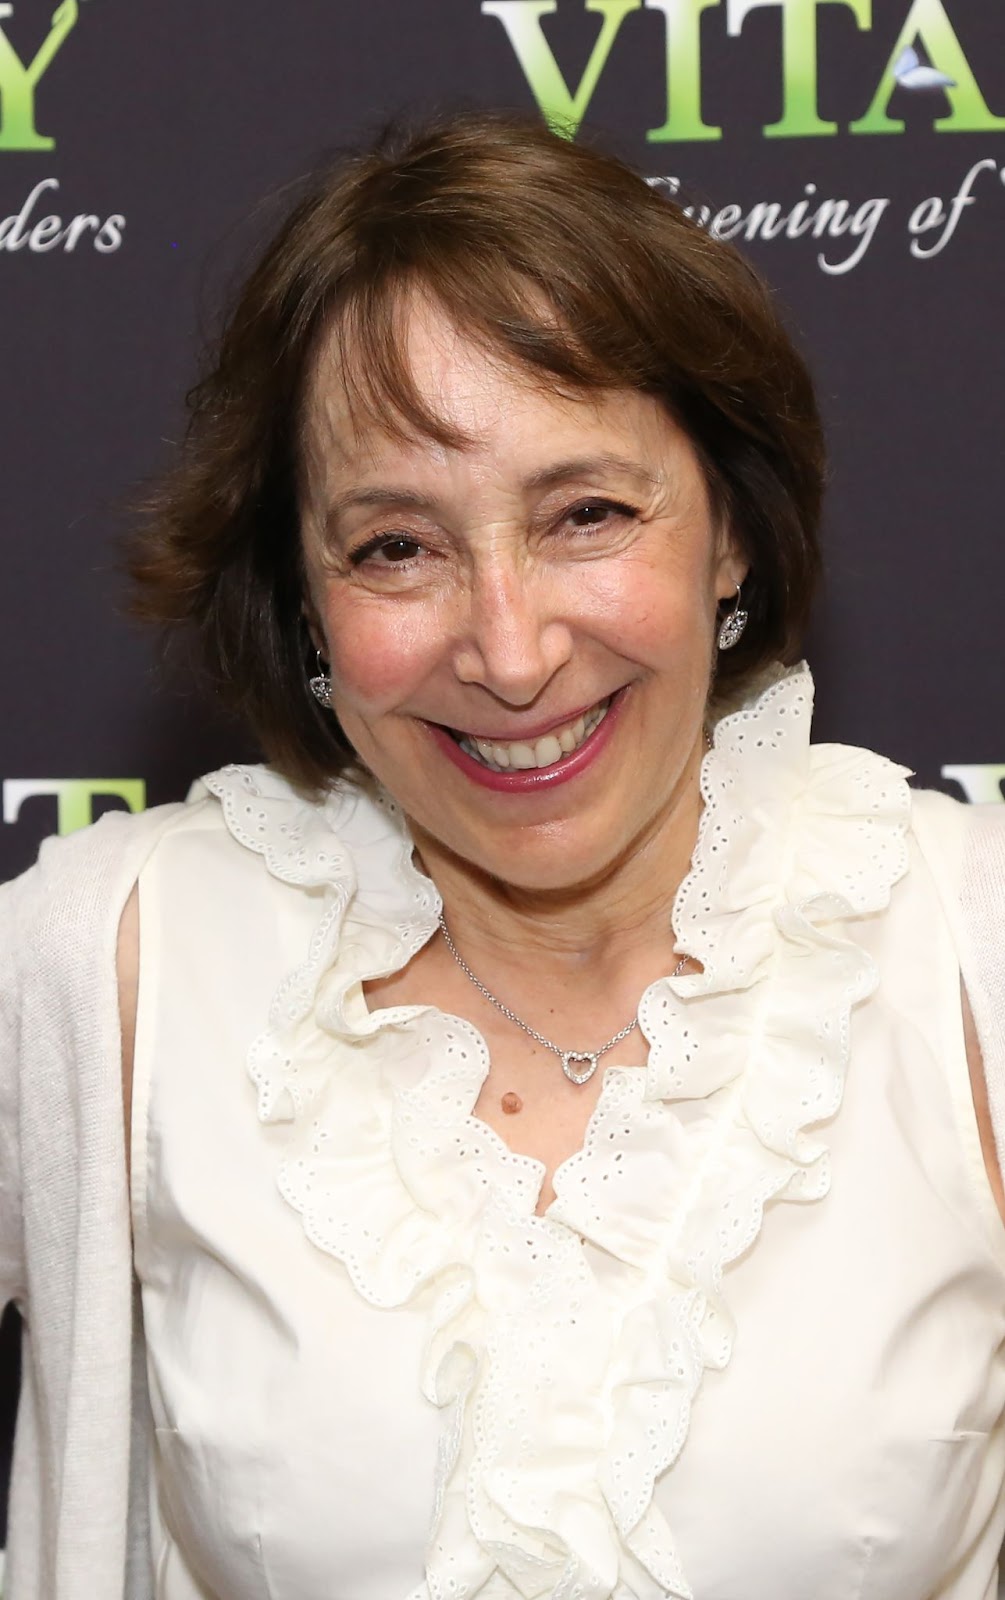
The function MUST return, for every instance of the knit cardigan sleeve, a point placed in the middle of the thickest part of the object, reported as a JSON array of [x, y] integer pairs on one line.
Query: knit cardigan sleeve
[[964, 846], [65, 1249], [12, 1264], [982, 904]]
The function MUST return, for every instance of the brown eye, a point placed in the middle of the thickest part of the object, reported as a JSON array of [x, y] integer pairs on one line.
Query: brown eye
[[588, 516], [593, 513], [386, 552], [400, 549]]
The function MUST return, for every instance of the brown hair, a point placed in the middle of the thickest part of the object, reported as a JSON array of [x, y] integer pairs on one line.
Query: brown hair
[[554, 254]]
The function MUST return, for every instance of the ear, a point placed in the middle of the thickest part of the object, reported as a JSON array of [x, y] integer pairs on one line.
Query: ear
[[313, 626], [731, 568]]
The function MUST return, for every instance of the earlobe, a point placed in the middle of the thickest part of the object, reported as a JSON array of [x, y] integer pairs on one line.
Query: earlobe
[[314, 630], [733, 571]]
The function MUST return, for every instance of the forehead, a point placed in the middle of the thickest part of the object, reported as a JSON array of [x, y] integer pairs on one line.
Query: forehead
[[486, 406]]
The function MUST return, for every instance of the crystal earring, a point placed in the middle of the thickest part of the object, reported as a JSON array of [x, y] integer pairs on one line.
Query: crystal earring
[[321, 685], [732, 626]]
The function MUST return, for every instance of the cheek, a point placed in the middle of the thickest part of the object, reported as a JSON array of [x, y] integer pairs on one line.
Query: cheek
[[379, 654], [650, 611]]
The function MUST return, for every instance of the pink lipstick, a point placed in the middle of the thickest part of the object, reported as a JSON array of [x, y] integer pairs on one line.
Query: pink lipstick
[[534, 779]]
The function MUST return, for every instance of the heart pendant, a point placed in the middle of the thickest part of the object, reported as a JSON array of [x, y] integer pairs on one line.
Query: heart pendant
[[571, 1056]]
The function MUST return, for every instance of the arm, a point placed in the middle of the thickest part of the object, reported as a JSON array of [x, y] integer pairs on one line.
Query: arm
[[37, 921], [65, 1251], [964, 847], [127, 968], [978, 1083], [982, 957], [13, 897]]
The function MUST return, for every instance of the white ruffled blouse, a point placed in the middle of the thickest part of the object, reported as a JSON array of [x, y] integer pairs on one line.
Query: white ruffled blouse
[[377, 1374]]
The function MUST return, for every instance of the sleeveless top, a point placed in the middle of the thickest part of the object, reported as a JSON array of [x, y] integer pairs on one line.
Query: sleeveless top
[[754, 1348]]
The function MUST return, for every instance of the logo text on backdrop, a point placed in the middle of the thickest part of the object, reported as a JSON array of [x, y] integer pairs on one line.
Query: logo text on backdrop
[[926, 24], [74, 797], [29, 227], [20, 79]]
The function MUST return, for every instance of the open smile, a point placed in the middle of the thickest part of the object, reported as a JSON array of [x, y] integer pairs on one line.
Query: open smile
[[519, 765], [526, 755]]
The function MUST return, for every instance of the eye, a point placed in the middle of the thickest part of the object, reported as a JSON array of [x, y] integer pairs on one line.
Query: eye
[[389, 549], [595, 513]]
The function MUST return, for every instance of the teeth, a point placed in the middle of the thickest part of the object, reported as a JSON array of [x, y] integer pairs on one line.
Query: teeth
[[547, 751], [521, 756]]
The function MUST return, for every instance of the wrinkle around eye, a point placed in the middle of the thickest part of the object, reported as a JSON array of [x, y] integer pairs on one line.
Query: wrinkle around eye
[[613, 508], [380, 544]]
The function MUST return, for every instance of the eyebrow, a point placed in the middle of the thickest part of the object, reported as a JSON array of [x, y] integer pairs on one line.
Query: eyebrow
[[545, 478], [586, 467]]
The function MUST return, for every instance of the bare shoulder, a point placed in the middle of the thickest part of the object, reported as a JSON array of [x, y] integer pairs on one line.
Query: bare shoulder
[[127, 966]]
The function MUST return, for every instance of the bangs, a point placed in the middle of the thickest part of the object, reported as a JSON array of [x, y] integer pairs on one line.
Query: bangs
[[512, 319]]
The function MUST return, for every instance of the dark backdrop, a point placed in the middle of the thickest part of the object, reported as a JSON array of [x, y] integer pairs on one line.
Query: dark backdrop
[[163, 126]]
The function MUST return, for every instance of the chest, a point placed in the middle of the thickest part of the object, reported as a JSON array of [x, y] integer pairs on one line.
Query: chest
[[396, 1341], [525, 1098], [839, 1454]]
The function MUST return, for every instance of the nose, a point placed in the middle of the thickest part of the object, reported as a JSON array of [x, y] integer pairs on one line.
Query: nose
[[514, 638]]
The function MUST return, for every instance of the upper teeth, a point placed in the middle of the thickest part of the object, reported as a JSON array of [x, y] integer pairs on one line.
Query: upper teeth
[[502, 755]]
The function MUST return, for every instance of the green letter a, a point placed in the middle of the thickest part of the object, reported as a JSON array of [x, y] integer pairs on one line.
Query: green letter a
[[928, 22], [561, 109]]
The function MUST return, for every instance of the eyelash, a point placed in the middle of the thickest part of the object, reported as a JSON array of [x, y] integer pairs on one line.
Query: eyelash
[[380, 541], [620, 506]]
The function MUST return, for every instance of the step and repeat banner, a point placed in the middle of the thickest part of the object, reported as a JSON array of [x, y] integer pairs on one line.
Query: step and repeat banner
[[855, 149]]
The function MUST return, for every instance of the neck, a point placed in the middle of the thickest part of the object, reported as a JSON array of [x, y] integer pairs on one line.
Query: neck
[[617, 922]]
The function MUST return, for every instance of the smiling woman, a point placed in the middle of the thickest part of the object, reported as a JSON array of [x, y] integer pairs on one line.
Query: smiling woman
[[480, 601], [487, 228], [556, 957]]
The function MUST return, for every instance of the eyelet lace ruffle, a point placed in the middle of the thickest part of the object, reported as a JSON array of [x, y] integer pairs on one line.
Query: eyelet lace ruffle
[[566, 1349]]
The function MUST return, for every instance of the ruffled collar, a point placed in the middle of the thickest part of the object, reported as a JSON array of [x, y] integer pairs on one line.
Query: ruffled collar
[[566, 1349]]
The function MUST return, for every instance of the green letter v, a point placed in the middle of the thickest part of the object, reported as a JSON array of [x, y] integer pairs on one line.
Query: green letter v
[[522, 20]]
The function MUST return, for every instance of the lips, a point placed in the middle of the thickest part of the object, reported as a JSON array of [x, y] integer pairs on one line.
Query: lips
[[463, 750], [526, 755]]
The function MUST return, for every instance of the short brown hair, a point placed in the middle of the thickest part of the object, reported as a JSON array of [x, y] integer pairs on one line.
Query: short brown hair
[[551, 252]]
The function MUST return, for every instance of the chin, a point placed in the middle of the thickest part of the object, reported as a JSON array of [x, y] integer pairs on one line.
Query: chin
[[547, 877], [542, 861]]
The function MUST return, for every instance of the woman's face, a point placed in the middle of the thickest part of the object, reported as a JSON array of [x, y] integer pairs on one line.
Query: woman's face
[[520, 631]]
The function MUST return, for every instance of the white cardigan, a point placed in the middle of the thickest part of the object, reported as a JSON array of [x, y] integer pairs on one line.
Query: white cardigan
[[78, 1507], [78, 1516]]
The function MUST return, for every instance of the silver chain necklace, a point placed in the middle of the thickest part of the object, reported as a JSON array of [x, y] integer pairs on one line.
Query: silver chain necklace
[[586, 1060]]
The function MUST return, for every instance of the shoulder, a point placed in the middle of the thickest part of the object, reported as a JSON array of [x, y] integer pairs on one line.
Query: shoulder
[[80, 881], [59, 924], [247, 816], [937, 810], [87, 876], [963, 847], [964, 844], [350, 835]]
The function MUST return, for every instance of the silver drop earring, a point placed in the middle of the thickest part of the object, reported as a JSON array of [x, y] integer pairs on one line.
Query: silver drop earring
[[321, 685], [732, 626]]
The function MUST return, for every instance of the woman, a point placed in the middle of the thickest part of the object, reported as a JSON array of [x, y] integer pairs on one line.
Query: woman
[[557, 958]]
